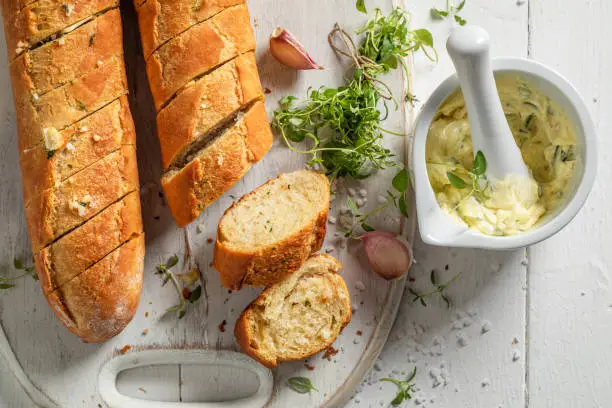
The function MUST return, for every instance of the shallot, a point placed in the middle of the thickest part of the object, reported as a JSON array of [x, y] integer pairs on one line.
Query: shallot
[[387, 255]]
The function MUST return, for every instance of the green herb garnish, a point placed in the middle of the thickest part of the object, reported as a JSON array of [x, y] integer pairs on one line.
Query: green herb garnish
[[361, 6], [439, 290], [450, 11], [343, 125], [478, 181], [184, 294], [9, 281], [50, 153], [404, 388], [301, 385]]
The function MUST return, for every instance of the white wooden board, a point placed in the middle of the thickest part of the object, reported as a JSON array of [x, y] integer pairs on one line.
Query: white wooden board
[[66, 369]]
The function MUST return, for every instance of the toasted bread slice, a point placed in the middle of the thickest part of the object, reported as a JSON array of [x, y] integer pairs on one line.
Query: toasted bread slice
[[271, 231], [217, 166], [197, 51], [162, 20], [298, 316], [97, 304]]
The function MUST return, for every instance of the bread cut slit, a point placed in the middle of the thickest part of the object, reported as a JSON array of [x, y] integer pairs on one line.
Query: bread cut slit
[[271, 231], [198, 51], [206, 108], [297, 317], [44, 20], [69, 56], [167, 19]]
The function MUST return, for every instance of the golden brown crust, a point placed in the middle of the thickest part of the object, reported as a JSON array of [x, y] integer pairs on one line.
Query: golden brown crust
[[25, 27], [80, 197], [202, 107], [68, 104], [218, 166], [162, 20], [273, 263], [97, 304], [70, 56], [198, 50], [78, 250], [245, 332], [85, 142]]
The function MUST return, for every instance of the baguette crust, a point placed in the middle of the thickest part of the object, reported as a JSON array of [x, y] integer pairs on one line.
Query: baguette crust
[[97, 304], [162, 20], [198, 50], [271, 263], [251, 326], [203, 107], [68, 104], [85, 143], [78, 250], [25, 27], [59, 210], [70, 56], [218, 166]]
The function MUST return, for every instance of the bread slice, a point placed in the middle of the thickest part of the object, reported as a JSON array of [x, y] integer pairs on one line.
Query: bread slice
[[70, 56], [217, 167], [198, 50], [271, 231], [80, 146], [297, 317], [40, 20], [205, 106], [63, 106], [59, 210], [162, 20], [97, 304], [78, 250]]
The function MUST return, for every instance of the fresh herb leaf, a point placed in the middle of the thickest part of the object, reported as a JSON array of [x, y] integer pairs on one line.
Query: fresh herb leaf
[[456, 181], [401, 181], [302, 385], [439, 290], [366, 227], [18, 264], [403, 206], [460, 20], [7, 282], [480, 164], [50, 153], [7, 285], [172, 261], [168, 276], [352, 206], [404, 388], [451, 11], [438, 14], [361, 6], [195, 294]]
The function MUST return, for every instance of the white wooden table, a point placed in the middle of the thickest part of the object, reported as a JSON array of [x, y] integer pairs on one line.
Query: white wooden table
[[530, 328]]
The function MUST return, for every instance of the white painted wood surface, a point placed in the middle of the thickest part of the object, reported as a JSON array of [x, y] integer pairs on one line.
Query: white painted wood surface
[[547, 309]]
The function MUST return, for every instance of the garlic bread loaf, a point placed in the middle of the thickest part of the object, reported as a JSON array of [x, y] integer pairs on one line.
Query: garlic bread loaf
[[270, 232], [77, 156], [211, 122], [297, 317]]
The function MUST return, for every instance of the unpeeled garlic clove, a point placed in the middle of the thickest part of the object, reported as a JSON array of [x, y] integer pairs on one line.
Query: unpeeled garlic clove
[[388, 256], [288, 51]]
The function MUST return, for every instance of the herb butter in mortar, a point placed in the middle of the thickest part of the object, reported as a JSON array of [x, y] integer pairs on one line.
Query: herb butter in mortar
[[546, 138]]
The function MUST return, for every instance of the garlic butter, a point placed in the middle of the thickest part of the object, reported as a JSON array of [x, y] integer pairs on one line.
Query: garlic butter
[[547, 140]]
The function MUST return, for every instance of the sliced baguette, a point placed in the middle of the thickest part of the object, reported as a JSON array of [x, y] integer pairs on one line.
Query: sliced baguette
[[198, 50], [97, 304], [78, 250], [70, 56], [81, 145], [163, 20], [63, 208], [297, 317], [38, 21], [68, 104], [270, 232], [218, 166], [203, 107]]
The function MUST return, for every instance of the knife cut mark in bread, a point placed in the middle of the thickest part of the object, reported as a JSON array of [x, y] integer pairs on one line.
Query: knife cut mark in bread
[[99, 302], [218, 166], [205, 106], [270, 232], [40, 21], [78, 146], [297, 317], [197, 51], [80, 249], [165, 19]]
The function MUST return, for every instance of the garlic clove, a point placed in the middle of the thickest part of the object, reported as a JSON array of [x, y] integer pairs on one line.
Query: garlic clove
[[288, 51], [388, 256]]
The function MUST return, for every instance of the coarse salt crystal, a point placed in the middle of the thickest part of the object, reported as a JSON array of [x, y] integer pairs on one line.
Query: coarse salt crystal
[[359, 285], [96, 138], [351, 191], [363, 192], [332, 219]]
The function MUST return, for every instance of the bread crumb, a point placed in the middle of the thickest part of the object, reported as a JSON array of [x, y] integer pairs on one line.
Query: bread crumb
[[209, 240], [147, 313], [359, 333], [145, 332], [515, 341], [125, 349], [267, 91], [142, 389], [309, 367], [330, 352], [61, 41], [222, 326], [96, 138], [200, 228]]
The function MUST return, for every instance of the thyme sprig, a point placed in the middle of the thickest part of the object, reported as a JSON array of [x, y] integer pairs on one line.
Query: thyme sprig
[[185, 295], [8, 282], [404, 387], [450, 11], [439, 290]]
